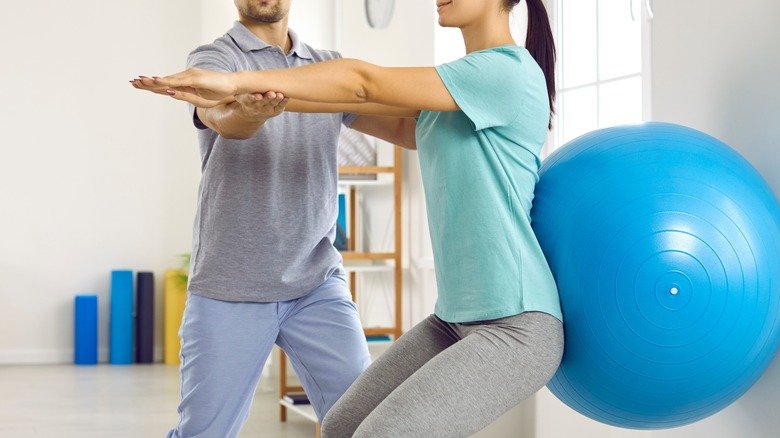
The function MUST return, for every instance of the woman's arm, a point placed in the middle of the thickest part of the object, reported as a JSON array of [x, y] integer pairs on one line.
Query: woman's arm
[[368, 109], [396, 130], [393, 124], [353, 81], [338, 81]]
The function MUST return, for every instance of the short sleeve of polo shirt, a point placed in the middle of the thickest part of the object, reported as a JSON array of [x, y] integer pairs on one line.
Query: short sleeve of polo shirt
[[211, 57], [208, 57], [346, 118], [486, 86]]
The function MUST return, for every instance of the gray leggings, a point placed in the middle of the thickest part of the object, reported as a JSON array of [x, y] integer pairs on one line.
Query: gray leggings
[[449, 380]]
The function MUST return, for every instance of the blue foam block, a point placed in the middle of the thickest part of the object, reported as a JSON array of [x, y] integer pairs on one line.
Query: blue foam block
[[86, 330], [121, 325]]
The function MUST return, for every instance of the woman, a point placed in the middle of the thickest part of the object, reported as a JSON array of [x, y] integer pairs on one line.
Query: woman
[[496, 336]]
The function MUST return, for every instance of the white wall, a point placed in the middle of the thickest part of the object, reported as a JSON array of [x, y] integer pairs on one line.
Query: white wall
[[315, 22], [217, 16], [94, 175], [716, 68]]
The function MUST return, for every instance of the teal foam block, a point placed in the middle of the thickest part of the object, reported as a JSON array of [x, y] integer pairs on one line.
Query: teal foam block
[[121, 324]]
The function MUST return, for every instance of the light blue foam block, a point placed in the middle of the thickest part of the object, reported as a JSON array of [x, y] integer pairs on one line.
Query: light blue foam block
[[121, 324]]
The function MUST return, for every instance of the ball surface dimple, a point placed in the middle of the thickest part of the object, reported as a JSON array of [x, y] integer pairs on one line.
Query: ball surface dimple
[[665, 246]]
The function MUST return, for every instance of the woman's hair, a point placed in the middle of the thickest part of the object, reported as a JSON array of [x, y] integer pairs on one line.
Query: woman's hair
[[540, 44]]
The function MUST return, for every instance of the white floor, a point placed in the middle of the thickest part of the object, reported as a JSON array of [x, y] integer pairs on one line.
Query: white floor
[[118, 401]]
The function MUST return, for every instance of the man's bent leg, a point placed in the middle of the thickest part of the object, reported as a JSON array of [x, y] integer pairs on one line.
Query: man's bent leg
[[322, 335], [224, 347]]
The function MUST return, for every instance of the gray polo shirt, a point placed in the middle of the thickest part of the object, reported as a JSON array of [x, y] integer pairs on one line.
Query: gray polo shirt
[[267, 207]]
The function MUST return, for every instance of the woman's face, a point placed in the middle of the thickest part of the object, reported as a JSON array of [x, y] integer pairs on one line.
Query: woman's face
[[460, 13]]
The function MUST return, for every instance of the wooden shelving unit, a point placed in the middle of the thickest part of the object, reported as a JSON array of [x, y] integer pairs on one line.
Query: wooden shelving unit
[[351, 255]]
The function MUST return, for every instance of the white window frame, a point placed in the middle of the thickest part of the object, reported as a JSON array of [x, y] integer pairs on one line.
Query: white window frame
[[646, 74]]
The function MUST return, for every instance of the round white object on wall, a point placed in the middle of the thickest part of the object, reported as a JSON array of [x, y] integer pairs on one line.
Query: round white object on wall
[[379, 13]]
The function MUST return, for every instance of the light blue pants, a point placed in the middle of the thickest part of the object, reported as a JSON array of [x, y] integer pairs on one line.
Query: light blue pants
[[225, 345]]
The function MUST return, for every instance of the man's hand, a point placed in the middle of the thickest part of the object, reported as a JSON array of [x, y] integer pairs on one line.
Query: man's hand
[[234, 117], [260, 107], [241, 118]]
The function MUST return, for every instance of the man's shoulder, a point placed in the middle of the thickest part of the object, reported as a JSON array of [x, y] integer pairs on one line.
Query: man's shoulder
[[322, 54], [223, 44], [221, 54]]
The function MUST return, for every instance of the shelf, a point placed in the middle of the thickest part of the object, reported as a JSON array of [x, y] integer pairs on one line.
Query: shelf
[[366, 169], [307, 411], [365, 182], [378, 347], [370, 266], [357, 261], [377, 331], [352, 255]]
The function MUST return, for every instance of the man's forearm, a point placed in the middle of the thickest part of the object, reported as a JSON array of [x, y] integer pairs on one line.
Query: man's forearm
[[230, 121]]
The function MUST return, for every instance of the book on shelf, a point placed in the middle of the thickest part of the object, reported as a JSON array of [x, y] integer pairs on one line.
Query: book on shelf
[[296, 398], [357, 150], [342, 240], [378, 338]]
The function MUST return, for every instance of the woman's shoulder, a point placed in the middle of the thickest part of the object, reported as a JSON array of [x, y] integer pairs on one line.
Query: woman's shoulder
[[505, 56], [511, 50]]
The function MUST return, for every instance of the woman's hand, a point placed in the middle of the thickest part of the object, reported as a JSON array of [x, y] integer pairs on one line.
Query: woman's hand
[[202, 88]]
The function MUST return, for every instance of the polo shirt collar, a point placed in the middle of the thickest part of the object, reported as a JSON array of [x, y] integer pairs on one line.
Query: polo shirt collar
[[298, 47], [247, 41]]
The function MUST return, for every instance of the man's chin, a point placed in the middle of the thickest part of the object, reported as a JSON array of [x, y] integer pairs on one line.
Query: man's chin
[[268, 16]]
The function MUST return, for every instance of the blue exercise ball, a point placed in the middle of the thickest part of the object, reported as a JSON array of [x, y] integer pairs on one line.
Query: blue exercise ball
[[665, 246]]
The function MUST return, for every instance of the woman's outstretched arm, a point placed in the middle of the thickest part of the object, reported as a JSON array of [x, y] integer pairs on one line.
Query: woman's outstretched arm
[[353, 81], [338, 81], [393, 124], [369, 109]]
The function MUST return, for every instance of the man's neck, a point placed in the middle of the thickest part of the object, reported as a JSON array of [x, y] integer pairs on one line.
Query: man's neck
[[274, 34]]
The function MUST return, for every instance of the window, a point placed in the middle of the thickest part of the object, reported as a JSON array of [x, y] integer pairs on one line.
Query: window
[[603, 69], [603, 64]]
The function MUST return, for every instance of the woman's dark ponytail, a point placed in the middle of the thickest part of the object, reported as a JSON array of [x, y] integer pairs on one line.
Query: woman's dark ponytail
[[540, 43]]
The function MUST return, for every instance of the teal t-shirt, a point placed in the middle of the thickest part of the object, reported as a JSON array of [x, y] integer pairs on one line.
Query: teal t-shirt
[[479, 168]]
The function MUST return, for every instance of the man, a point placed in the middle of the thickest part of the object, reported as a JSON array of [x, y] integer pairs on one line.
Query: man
[[264, 269]]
